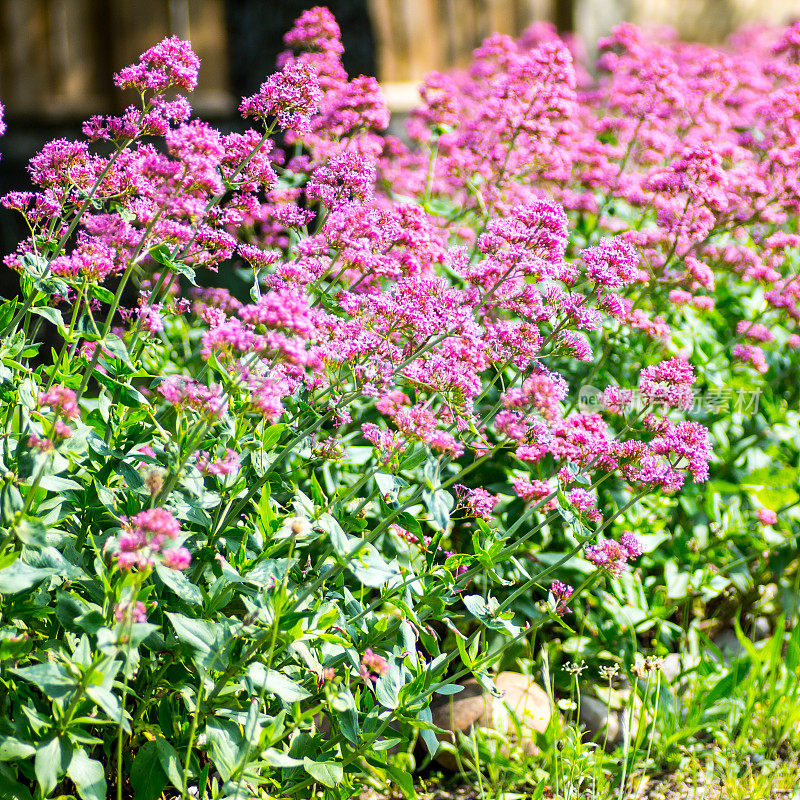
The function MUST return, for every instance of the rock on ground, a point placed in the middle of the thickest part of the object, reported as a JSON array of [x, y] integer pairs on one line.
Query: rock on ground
[[474, 706]]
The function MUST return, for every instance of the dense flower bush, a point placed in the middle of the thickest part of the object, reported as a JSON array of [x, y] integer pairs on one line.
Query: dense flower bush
[[246, 537]]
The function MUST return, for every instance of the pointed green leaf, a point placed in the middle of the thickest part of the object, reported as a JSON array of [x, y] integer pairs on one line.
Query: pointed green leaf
[[87, 775], [328, 773], [47, 765], [147, 776]]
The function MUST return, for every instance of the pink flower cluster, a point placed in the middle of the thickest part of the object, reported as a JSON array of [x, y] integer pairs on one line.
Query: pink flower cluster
[[220, 467], [766, 516], [668, 383], [171, 62], [373, 665], [612, 556], [187, 393], [476, 502], [694, 142], [537, 219], [62, 401], [535, 491], [584, 502], [292, 96], [562, 593], [144, 538], [130, 612]]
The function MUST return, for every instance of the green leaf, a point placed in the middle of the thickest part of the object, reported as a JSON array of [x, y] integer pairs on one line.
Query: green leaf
[[388, 688], [276, 682], [12, 749], [486, 612], [7, 310], [185, 270], [195, 632], [342, 543], [170, 762], [439, 503], [328, 773], [20, 576], [87, 775], [414, 459], [180, 584], [224, 741], [101, 293], [128, 396], [117, 348], [14, 790], [162, 255], [725, 686], [389, 485], [677, 581], [32, 532], [132, 478], [759, 478], [774, 499], [276, 758], [403, 779], [51, 315], [108, 702], [47, 765], [211, 642], [348, 723], [51, 678], [371, 568], [450, 688], [51, 558], [410, 523], [55, 483], [147, 776], [271, 435], [428, 736]]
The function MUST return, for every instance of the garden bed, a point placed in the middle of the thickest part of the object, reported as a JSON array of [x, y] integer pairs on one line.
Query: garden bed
[[314, 436]]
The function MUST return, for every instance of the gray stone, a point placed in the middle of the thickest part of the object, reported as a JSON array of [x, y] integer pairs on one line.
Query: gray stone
[[672, 667], [595, 717], [521, 697], [730, 646], [761, 629]]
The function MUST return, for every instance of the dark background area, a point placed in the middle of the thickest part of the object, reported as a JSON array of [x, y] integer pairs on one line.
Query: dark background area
[[254, 32], [57, 57], [255, 37]]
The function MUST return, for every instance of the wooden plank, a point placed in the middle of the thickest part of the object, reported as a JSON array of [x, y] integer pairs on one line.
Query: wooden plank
[[380, 14], [415, 36], [564, 15], [447, 21], [205, 27], [420, 36], [132, 29], [75, 85], [500, 17], [24, 57], [138, 26], [463, 28]]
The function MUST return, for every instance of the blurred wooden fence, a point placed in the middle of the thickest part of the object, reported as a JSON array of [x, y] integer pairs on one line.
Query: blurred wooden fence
[[414, 37], [57, 56], [417, 36]]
